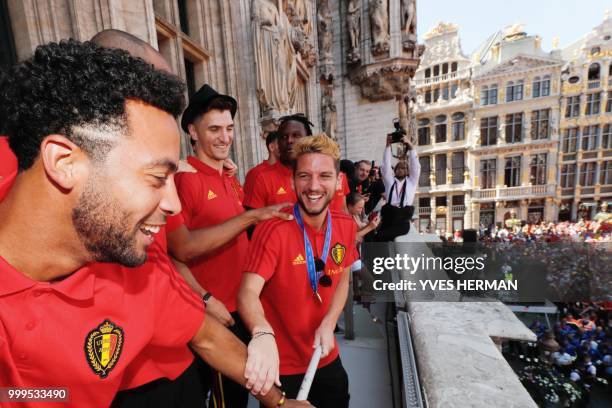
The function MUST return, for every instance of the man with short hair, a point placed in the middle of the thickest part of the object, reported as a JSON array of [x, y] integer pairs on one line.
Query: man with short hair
[[211, 198], [97, 147], [400, 188], [273, 157], [362, 171], [275, 183], [296, 280]]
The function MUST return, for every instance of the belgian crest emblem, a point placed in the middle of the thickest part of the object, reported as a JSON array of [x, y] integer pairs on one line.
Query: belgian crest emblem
[[338, 251], [103, 347]]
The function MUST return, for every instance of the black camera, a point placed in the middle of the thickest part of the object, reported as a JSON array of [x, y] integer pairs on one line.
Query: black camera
[[398, 134]]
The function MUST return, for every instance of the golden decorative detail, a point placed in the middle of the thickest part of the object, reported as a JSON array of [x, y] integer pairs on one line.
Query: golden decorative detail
[[441, 28], [441, 210], [555, 43]]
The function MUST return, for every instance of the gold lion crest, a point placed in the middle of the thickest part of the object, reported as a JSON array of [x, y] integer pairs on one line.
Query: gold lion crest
[[338, 252], [103, 347]]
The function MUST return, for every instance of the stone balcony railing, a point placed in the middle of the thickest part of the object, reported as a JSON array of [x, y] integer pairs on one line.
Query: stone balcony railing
[[424, 210], [594, 84], [457, 209], [461, 74], [514, 193]]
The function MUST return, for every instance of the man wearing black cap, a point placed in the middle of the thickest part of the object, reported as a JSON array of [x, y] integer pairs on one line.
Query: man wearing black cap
[[212, 207]]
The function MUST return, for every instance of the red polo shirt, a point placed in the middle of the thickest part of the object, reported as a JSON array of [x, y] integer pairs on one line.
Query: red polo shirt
[[337, 204], [274, 185], [8, 161], [209, 198], [83, 332], [277, 254], [251, 178]]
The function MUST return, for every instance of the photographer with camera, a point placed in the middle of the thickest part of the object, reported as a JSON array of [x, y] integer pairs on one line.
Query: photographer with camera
[[400, 186]]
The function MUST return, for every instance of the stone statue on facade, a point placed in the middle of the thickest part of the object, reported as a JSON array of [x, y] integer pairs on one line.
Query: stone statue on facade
[[408, 13], [328, 108], [324, 26], [379, 26], [353, 25], [299, 13], [275, 62]]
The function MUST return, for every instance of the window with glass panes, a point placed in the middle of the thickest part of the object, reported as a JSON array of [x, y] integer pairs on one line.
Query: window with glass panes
[[440, 128], [590, 135], [514, 91], [609, 101], [593, 102], [606, 172], [512, 171], [606, 137], [514, 127], [458, 167], [424, 180], [458, 127], [493, 94], [428, 96], [568, 175], [572, 107], [488, 173], [441, 169], [541, 86], [488, 131], [423, 132], [454, 88], [484, 95], [587, 174], [570, 140], [540, 124], [537, 167]]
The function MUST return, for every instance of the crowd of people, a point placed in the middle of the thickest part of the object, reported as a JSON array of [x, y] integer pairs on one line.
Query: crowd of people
[[578, 349], [171, 280]]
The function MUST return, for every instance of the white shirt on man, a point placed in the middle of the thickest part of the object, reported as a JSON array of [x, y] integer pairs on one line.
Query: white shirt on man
[[411, 182]]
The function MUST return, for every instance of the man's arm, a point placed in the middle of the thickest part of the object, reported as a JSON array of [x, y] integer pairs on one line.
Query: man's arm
[[386, 171], [186, 245], [262, 367], [226, 354], [415, 165], [324, 335], [214, 307]]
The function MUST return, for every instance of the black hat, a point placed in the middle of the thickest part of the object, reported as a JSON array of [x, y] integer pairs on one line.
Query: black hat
[[199, 102]]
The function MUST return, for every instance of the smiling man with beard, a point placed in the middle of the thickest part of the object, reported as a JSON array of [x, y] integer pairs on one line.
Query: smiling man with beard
[[97, 144], [296, 279]]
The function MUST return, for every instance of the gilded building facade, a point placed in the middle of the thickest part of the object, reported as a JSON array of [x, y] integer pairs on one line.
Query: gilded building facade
[[585, 178], [537, 129]]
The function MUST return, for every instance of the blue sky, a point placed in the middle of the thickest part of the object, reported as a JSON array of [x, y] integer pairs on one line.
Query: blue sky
[[477, 19]]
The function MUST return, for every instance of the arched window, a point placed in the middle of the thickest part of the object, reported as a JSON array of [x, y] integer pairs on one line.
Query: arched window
[[424, 132], [427, 72], [594, 73], [541, 86], [514, 91], [440, 128], [458, 126]]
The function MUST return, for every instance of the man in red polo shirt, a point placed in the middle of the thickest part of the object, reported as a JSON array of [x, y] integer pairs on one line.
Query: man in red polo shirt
[[296, 280], [210, 197], [274, 184], [96, 172], [252, 176]]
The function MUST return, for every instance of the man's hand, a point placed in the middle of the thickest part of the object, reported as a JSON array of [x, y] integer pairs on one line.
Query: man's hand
[[324, 336], [217, 309], [272, 211], [389, 140], [261, 369], [230, 167], [408, 142]]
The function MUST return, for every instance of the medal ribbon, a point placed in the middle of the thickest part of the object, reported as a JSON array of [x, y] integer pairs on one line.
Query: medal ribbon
[[310, 263]]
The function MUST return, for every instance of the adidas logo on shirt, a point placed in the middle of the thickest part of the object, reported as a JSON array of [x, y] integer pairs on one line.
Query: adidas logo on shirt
[[211, 195], [281, 191], [299, 260]]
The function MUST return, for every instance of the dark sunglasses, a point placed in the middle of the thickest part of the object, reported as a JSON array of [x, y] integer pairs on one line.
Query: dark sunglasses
[[324, 280]]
